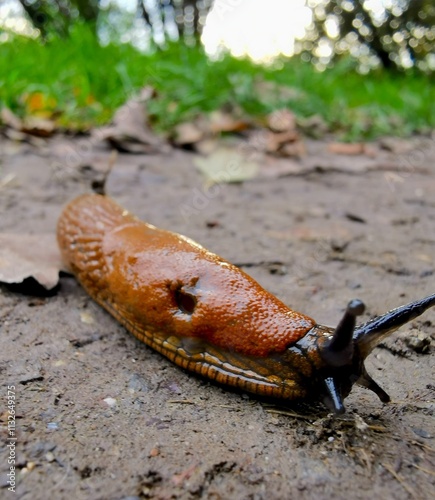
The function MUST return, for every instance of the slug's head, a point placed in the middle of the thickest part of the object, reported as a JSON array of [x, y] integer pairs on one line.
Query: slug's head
[[338, 355]]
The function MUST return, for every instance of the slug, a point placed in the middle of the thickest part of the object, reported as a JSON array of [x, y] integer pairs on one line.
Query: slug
[[209, 317]]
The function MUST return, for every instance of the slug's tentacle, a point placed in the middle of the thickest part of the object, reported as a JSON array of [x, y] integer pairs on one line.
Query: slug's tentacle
[[333, 399], [368, 335], [366, 381], [338, 351]]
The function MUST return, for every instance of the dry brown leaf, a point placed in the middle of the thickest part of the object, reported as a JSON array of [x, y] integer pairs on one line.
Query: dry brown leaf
[[222, 121], [30, 255], [281, 120], [41, 127], [31, 125], [286, 143], [207, 146], [130, 131], [278, 167], [345, 148], [396, 145], [10, 119], [187, 133], [15, 135]]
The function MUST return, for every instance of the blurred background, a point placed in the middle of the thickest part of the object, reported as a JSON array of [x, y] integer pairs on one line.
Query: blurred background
[[362, 68]]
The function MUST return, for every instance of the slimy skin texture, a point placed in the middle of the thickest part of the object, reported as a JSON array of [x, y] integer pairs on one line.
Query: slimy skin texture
[[203, 313]]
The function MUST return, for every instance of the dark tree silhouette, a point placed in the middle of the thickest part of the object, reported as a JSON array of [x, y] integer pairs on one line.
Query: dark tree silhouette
[[183, 19], [399, 36], [56, 17], [187, 16]]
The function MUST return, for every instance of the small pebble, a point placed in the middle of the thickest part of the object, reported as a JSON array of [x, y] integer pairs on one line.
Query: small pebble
[[110, 401], [87, 318]]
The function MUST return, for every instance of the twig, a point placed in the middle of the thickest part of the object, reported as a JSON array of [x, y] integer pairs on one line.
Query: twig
[[181, 402], [289, 414], [390, 469], [427, 471], [7, 179]]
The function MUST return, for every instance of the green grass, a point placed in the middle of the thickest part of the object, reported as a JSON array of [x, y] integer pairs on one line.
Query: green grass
[[81, 84]]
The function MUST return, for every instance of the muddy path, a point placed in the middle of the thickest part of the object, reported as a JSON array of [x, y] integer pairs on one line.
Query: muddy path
[[101, 416]]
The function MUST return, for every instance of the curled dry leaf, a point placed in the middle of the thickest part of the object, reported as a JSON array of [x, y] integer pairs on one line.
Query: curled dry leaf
[[31, 125], [187, 133], [397, 145], [23, 256], [279, 167], [288, 144], [281, 120], [10, 119], [41, 127], [222, 121], [130, 131]]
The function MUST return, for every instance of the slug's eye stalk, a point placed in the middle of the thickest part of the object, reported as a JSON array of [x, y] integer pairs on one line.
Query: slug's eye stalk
[[338, 352]]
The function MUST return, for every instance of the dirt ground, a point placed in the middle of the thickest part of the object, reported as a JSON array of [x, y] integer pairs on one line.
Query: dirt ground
[[101, 416]]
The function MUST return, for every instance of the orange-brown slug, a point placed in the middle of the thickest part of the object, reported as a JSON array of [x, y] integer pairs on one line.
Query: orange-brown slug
[[209, 317]]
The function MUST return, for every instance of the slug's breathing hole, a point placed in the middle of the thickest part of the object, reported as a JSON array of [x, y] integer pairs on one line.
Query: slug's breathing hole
[[186, 302]]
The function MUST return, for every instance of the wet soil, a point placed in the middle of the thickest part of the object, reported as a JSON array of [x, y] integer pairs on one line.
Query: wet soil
[[102, 416]]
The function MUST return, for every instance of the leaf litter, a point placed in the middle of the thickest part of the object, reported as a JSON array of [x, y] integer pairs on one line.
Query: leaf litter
[[25, 256]]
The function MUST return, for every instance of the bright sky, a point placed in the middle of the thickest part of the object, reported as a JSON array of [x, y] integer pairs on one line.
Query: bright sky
[[253, 27], [256, 28]]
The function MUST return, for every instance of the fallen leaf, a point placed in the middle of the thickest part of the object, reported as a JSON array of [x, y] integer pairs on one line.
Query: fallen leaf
[[279, 167], [207, 146], [226, 164], [313, 126], [23, 256], [10, 119], [16, 135], [281, 120], [130, 131], [286, 143], [222, 121], [187, 133], [32, 125], [396, 145], [41, 127]]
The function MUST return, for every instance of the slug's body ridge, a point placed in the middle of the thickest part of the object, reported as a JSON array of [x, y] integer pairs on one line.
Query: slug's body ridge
[[207, 315]]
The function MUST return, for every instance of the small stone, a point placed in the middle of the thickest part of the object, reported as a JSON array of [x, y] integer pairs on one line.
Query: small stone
[[110, 402], [154, 452]]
